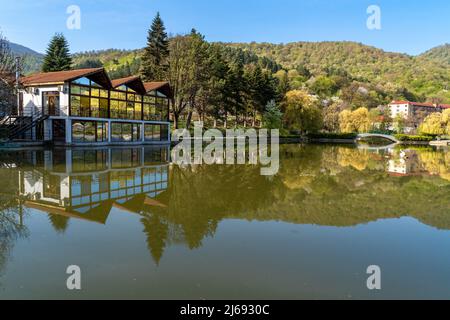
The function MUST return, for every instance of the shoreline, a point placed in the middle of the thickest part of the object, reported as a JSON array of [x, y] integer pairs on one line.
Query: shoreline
[[17, 146]]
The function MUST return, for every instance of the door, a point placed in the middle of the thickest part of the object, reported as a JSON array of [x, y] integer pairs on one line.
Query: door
[[50, 103], [59, 130]]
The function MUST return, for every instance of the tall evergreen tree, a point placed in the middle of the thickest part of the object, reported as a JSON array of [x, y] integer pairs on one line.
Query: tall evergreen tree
[[154, 60], [57, 57]]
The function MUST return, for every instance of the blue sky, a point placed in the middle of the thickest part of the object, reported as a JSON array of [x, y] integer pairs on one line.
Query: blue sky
[[407, 26]]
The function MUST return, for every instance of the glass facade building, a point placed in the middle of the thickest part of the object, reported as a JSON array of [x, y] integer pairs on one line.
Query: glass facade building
[[86, 107]]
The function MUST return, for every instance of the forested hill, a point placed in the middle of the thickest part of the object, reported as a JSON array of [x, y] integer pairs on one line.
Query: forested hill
[[439, 54], [32, 60], [427, 74], [123, 63], [422, 77]]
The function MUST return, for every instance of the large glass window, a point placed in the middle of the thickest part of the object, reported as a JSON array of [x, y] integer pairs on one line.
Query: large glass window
[[87, 99], [85, 103], [102, 132], [125, 132], [90, 100], [103, 108], [127, 104], [75, 103], [156, 132], [164, 132], [156, 108], [89, 131], [115, 109], [150, 108], [95, 107]]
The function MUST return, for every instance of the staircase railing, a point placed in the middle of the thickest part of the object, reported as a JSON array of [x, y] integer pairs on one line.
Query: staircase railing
[[17, 126], [28, 121]]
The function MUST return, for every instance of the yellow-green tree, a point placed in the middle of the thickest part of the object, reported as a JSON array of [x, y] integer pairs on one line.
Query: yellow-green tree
[[446, 121], [434, 124], [346, 122], [356, 121], [361, 118], [302, 112]]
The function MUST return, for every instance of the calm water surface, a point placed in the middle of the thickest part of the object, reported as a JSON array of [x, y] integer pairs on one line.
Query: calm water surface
[[140, 227]]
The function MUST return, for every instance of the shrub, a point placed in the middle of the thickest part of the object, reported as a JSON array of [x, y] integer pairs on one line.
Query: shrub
[[348, 136], [405, 137]]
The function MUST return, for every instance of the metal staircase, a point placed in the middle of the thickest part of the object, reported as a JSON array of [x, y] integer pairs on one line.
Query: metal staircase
[[23, 128], [15, 127]]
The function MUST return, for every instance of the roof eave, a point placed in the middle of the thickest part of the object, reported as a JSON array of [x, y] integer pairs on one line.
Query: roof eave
[[41, 84]]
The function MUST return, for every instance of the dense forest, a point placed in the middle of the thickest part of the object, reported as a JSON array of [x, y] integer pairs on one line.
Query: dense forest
[[341, 75], [426, 76]]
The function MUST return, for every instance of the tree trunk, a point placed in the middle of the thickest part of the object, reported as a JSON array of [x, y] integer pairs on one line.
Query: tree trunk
[[176, 118], [188, 120], [225, 123], [254, 120]]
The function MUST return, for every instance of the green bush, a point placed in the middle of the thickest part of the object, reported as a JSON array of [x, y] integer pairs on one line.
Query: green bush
[[349, 136], [386, 132], [405, 137]]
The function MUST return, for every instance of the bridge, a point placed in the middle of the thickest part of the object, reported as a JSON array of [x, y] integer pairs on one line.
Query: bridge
[[377, 148], [377, 135]]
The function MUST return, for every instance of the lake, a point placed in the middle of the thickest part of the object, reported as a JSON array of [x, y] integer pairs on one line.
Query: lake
[[140, 227]]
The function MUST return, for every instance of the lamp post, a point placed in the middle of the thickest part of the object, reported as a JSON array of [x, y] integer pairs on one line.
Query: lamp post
[[17, 83]]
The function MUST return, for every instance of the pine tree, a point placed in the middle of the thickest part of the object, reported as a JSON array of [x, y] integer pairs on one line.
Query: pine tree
[[57, 57], [154, 60], [157, 232]]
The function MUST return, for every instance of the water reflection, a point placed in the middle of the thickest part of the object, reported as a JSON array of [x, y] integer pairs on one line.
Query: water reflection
[[87, 184], [82, 184], [12, 227], [316, 185]]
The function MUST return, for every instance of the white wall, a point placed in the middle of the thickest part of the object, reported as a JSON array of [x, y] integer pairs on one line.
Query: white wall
[[396, 109], [32, 103], [33, 186]]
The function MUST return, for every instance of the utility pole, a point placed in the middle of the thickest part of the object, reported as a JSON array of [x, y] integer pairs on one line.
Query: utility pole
[[17, 83]]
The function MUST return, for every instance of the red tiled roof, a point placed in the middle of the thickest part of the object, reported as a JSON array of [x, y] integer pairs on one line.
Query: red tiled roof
[[161, 86], [132, 82], [400, 102], [151, 86], [98, 75], [417, 104], [119, 82], [59, 76], [445, 106]]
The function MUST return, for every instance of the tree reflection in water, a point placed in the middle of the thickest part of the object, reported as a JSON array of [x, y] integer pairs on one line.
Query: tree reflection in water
[[11, 213], [320, 185]]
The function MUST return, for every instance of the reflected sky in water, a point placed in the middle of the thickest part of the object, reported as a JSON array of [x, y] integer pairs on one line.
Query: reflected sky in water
[[141, 227]]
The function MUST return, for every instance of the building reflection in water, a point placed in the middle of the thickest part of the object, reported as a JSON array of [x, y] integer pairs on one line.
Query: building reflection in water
[[406, 162], [87, 184]]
